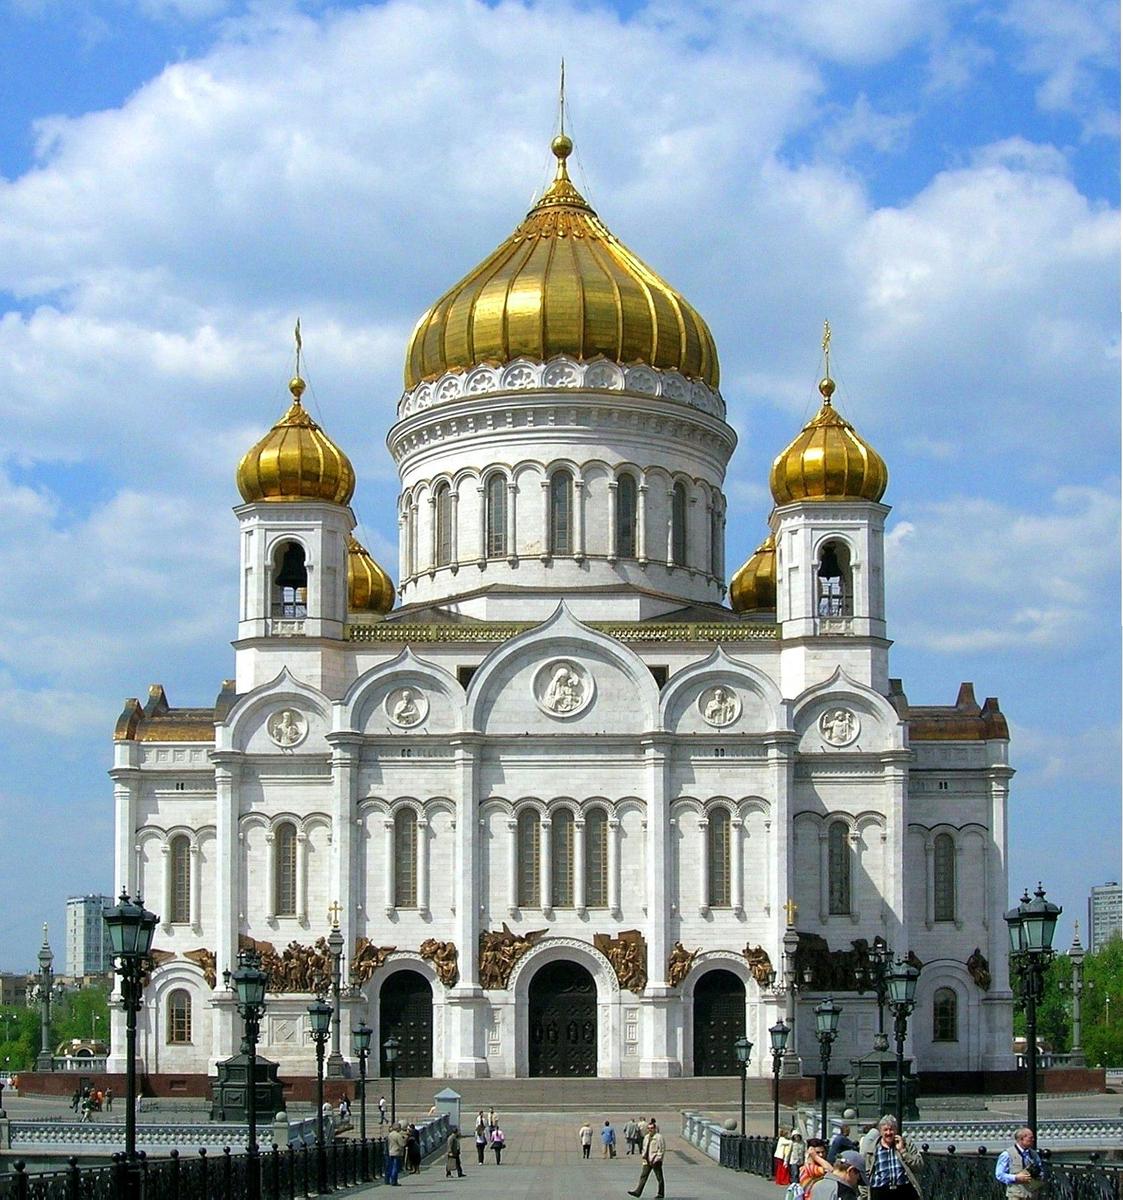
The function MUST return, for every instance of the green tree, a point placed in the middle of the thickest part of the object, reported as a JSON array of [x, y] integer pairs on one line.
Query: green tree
[[81, 1014], [19, 1037]]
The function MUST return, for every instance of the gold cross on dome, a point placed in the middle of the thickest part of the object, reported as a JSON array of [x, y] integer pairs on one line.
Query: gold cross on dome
[[827, 344], [792, 909], [333, 913]]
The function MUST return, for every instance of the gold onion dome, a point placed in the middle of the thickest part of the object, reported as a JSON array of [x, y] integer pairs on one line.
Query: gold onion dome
[[561, 284], [753, 587], [296, 460], [828, 461], [369, 588]]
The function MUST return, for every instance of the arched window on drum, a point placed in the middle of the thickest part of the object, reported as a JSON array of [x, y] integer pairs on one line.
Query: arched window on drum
[[495, 500], [405, 858], [443, 504], [561, 858], [678, 524], [529, 834], [596, 859], [718, 849], [626, 516], [284, 849], [561, 513]]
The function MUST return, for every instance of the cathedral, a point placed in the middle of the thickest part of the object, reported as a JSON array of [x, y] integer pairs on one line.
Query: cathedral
[[573, 798]]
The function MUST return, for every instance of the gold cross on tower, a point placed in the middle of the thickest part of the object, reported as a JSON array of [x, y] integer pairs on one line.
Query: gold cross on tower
[[333, 913], [792, 909]]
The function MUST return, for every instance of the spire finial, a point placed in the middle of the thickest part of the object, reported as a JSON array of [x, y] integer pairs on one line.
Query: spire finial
[[296, 383], [561, 100], [562, 145], [826, 384]]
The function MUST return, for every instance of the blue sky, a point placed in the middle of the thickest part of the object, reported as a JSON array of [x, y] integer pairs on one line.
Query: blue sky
[[180, 178]]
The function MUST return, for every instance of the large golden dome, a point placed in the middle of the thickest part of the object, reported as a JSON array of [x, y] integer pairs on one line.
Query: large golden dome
[[296, 460], [369, 588], [828, 461], [753, 587], [561, 284]]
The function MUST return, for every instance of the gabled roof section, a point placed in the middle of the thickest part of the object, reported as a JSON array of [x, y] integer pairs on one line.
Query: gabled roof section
[[963, 721]]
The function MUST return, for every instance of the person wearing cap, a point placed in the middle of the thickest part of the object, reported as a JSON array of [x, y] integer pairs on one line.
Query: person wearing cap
[[848, 1173], [890, 1163]]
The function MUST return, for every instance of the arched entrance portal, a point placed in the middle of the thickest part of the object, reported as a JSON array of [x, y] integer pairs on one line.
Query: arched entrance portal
[[719, 1020], [562, 1021], [406, 1010]]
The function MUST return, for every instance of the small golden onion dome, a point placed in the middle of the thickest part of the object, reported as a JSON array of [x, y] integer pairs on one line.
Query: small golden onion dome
[[369, 588], [561, 284], [828, 461], [753, 587], [296, 460]]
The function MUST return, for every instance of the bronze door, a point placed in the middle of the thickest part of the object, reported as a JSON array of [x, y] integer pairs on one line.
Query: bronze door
[[719, 1020], [406, 1010], [562, 1021]]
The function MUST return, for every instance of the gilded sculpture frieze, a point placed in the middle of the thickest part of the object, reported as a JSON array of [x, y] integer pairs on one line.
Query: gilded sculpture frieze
[[367, 959], [979, 969], [298, 968], [627, 952], [205, 960], [760, 965], [680, 962], [500, 950], [443, 956]]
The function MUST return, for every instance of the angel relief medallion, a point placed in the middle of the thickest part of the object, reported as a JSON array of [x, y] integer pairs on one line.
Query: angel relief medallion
[[563, 688], [287, 728], [720, 706], [839, 727], [406, 707]]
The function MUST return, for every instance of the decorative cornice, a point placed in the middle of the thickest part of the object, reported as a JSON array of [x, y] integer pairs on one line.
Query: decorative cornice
[[623, 631]]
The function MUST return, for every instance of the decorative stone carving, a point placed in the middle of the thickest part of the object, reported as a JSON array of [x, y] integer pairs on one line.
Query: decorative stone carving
[[367, 959], [627, 952], [839, 726], [979, 969], [406, 707], [563, 688], [443, 956], [157, 958], [287, 728], [499, 951], [719, 706], [679, 963], [298, 968], [760, 965], [204, 959]]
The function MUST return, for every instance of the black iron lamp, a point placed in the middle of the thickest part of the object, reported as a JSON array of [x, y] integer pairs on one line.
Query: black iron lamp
[[391, 1048], [900, 983], [361, 1037], [778, 1035], [249, 982], [826, 1030], [319, 1015], [743, 1048]]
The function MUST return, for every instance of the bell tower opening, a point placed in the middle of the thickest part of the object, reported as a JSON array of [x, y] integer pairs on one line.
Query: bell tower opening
[[290, 582], [834, 585]]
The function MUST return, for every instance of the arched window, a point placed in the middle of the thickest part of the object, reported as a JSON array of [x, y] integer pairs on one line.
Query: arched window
[[718, 849], [180, 852], [626, 517], [945, 1016], [529, 832], [179, 1018], [405, 858], [838, 869], [496, 502], [443, 519], [284, 847], [835, 593], [596, 858], [678, 524], [411, 529], [561, 859], [561, 513], [290, 582], [943, 871]]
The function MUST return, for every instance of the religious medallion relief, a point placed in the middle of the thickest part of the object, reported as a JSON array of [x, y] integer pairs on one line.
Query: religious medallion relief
[[719, 706], [839, 727], [406, 707], [287, 728], [563, 688]]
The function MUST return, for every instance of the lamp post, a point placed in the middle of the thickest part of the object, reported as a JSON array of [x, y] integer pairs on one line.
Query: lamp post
[[319, 1014], [361, 1037], [45, 1061], [901, 984], [391, 1047], [335, 948], [131, 929], [1076, 985], [872, 975], [743, 1048], [1031, 926], [779, 1037], [790, 980], [826, 1030], [250, 982]]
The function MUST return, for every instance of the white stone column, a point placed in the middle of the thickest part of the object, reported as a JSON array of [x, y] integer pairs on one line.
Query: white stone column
[[388, 866], [612, 833], [270, 878], [403, 546], [895, 764], [956, 902], [302, 877], [545, 863], [414, 526], [126, 788], [579, 865], [194, 895], [736, 866], [546, 548], [824, 874], [580, 497], [512, 867], [660, 1054], [432, 563], [856, 874], [703, 866], [613, 549], [346, 749], [929, 882], [997, 1011], [482, 530], [423, 866], [454, 528], [228, 855], [166, 886], [641, 523], [671, 527], [512, 525]]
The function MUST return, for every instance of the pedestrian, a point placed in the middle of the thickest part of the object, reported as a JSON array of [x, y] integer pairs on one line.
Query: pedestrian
[[481, 1121], [76, 1099], [890, 1165], [382, 1110], [781, 1171], [481, 1142], [492, 1120], [841, 1141], [815, 1164], [848, 1173], [108, 1099], [498, 1142], [1020, 1168], [395, 1151], [453, 1157], [585, 1136], [797, 1155], [413, 1150], [654, 1148], [344, 1110], [608, 1140], [630, 1134]]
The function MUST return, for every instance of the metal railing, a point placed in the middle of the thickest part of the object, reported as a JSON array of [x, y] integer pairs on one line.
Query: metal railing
[[752, 1154]]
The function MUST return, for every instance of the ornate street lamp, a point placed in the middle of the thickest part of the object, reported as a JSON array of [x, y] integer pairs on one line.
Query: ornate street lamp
[[335, 949], [250, 982], [131, 929], [743, 1048], [45, 1060], [901, 985], [391, 1048], [361, 1038], [1031, 926], [1076, 986], [319, 1014], [871, 975], [826, 1030], [779, 1037]]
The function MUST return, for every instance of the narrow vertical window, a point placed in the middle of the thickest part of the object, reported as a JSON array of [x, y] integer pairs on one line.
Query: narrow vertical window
[[626, 517], [943, 870], [561, 513], [718, 850], [444, 525], [715, 540], [284, 847], [290, 582], [596, 858], [561, 859], [678, 525], [496, 501], [528, 834], [179, 1018], [835, 598], [405, 858], [181, 879], [945, 1016], [838, 869]]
